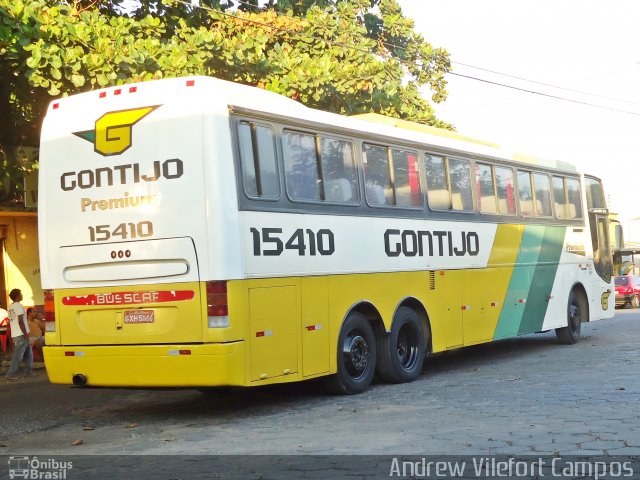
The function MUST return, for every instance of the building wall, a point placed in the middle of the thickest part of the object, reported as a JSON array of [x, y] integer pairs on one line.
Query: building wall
[[20, 258]]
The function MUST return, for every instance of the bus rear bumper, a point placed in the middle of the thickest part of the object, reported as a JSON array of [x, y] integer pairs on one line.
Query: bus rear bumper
[[204, 365]]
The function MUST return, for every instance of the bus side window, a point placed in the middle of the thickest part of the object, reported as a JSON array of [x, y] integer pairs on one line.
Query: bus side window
[[377, 176], [486, 189], [525, 194], [258, 160], [460, 181], [560, 198], [543, 194], [505, 190], [339, 171], [573, 196], [438, 196], [301, 166], [406, 178]]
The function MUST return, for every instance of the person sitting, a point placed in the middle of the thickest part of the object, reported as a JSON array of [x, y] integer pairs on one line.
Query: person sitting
[[36, 329]]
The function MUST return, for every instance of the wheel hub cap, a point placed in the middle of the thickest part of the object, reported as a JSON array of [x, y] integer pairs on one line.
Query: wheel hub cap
[[356, 355], [406, 348]]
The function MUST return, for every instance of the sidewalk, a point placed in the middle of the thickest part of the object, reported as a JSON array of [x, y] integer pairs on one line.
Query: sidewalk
[[38, 368]]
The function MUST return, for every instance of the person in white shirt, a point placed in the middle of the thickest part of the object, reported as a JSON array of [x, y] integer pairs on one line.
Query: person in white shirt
[[20, 336]]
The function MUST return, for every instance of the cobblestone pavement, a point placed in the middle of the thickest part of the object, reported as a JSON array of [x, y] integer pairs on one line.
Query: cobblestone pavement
[[526, 396]]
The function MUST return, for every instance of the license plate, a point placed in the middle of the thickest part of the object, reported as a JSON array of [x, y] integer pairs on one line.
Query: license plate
[[139, 316]]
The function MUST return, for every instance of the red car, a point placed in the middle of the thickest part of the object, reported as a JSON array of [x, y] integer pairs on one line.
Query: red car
[[627, 290]]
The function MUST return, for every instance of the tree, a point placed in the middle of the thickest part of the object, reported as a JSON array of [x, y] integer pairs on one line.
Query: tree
[[344, 56]]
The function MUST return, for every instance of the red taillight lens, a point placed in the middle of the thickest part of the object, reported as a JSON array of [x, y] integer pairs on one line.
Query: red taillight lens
[[217, 299], [49, 311]]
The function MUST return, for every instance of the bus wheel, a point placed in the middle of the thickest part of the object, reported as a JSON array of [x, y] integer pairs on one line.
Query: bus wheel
[[401, 351], [356, 356], [576, 313]]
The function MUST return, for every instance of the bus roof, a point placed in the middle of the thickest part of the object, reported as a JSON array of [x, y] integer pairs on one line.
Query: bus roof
[[419, 127], [205, 90]]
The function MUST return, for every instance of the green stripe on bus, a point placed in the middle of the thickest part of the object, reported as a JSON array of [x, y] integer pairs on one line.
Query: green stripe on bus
[[543, 278], [520, 283]]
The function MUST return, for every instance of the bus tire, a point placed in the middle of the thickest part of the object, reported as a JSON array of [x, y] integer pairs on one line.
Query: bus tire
[[356, 356], [577, 311], [401, 351]]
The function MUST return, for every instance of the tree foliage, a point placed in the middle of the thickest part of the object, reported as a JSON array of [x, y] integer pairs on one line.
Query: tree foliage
[[344, 56]]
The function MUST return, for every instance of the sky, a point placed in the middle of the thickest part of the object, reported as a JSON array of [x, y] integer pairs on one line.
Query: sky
[[583, 46]]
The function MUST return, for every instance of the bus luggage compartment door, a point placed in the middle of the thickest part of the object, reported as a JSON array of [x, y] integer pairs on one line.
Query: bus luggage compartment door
[[273, 331]]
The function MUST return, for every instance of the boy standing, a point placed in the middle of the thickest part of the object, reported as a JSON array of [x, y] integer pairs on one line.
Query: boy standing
[[20, 337]]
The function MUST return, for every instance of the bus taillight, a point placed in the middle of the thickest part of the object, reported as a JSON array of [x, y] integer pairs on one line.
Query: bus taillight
[[49, 311], [217, 309]]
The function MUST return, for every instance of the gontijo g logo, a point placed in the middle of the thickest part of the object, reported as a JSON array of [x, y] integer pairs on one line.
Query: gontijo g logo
[[113, 132]]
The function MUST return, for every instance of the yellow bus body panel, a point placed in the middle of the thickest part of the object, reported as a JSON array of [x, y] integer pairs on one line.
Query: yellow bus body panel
[[98, 315], [485, 288], [149, 365], [280, 329]]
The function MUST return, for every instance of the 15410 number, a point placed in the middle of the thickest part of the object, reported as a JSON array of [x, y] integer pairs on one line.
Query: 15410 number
[[124, 231], [305, 241]]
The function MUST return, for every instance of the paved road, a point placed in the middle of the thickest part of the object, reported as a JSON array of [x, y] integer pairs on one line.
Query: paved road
[[521, 396]]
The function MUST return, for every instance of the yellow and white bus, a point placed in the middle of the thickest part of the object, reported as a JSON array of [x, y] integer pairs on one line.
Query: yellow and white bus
[[196, 232]]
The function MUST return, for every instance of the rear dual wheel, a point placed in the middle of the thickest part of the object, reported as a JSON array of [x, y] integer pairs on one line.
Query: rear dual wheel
[[401, 351], [396, 356], [356, 356]]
